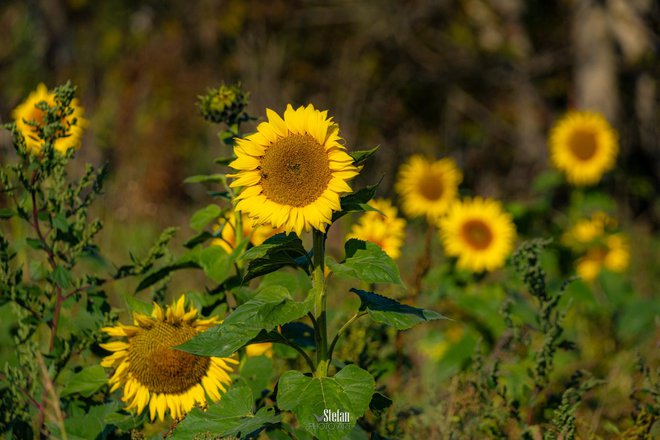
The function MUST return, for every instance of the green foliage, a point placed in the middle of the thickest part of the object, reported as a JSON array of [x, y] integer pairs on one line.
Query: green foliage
[[233, 416], [367, 262], [387, 311], [59, 304], [349, 391], [272, 306]]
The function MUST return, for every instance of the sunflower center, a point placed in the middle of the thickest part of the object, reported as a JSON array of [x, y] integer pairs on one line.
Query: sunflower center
[[477, 234], [163, 369], [430, 186], [583, 144], [295, 170]]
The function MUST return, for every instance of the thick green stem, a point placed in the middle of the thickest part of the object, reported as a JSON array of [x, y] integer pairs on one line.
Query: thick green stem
[[320, 304]]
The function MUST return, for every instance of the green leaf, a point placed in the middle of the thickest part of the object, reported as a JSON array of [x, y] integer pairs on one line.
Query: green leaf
[[276, 252], [138, 306], [86, 426], [219, 178], [356, 201], [60, 223], [367, 262], [198, 239], [6, 213], [61, 277], [272, 306], [379, 402], [232, 416], [257, 372], [86, 382], [34, 243], [390, 312], [361, 156], [224, 160], [216, 263], [205, 216], [37, 270], [349, 391]]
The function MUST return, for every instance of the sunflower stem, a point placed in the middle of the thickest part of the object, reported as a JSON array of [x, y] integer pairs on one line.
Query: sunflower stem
[[320, 304]]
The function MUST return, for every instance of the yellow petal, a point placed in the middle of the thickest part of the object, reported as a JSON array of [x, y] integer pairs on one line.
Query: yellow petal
[[114, 346]]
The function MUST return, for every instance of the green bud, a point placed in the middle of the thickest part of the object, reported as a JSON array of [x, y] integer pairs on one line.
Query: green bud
[[224, 104]]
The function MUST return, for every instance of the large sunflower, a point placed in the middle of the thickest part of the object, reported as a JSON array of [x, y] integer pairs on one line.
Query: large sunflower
[[256, 234], [386, 229], [479, 232], [292, 170], [583, 145], [154, 374], [428, 188], [28, 112]]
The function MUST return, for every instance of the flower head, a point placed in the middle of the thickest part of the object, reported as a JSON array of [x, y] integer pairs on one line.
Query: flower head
[[292, 170], [612, 253], [479, 232], [157, 376], [586, 231], [386, 229], [224, 104], [428, 188], [30, 119], [583, 145]]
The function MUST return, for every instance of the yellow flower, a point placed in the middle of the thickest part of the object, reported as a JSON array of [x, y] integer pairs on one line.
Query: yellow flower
[[256, 234], [613, 254], [292, 170], [428, 188], [157, 376], [387, 231], [583, 145], [586, 231], [479, 232], [262, 349], [28, 112]]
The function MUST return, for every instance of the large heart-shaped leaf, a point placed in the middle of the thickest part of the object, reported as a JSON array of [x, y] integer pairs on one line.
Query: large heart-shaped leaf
[[231, 416], [327, 407], [272, 306]]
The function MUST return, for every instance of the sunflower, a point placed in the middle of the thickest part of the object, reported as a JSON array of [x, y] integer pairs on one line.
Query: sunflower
[[28, 112], [256, 234], [479, 232], [386, 229], [612, 253], [586, 231], [292, 170], [154, 374], [583, 145], [428, 188]]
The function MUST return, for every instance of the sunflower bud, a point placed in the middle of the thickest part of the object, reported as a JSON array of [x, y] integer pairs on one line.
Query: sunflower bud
[[224, 104]]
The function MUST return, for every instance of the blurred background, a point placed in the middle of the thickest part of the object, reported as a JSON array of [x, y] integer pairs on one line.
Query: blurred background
[[480, 81]]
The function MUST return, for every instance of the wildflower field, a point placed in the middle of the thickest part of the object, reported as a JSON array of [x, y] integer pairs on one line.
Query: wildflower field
[[329, 220]]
